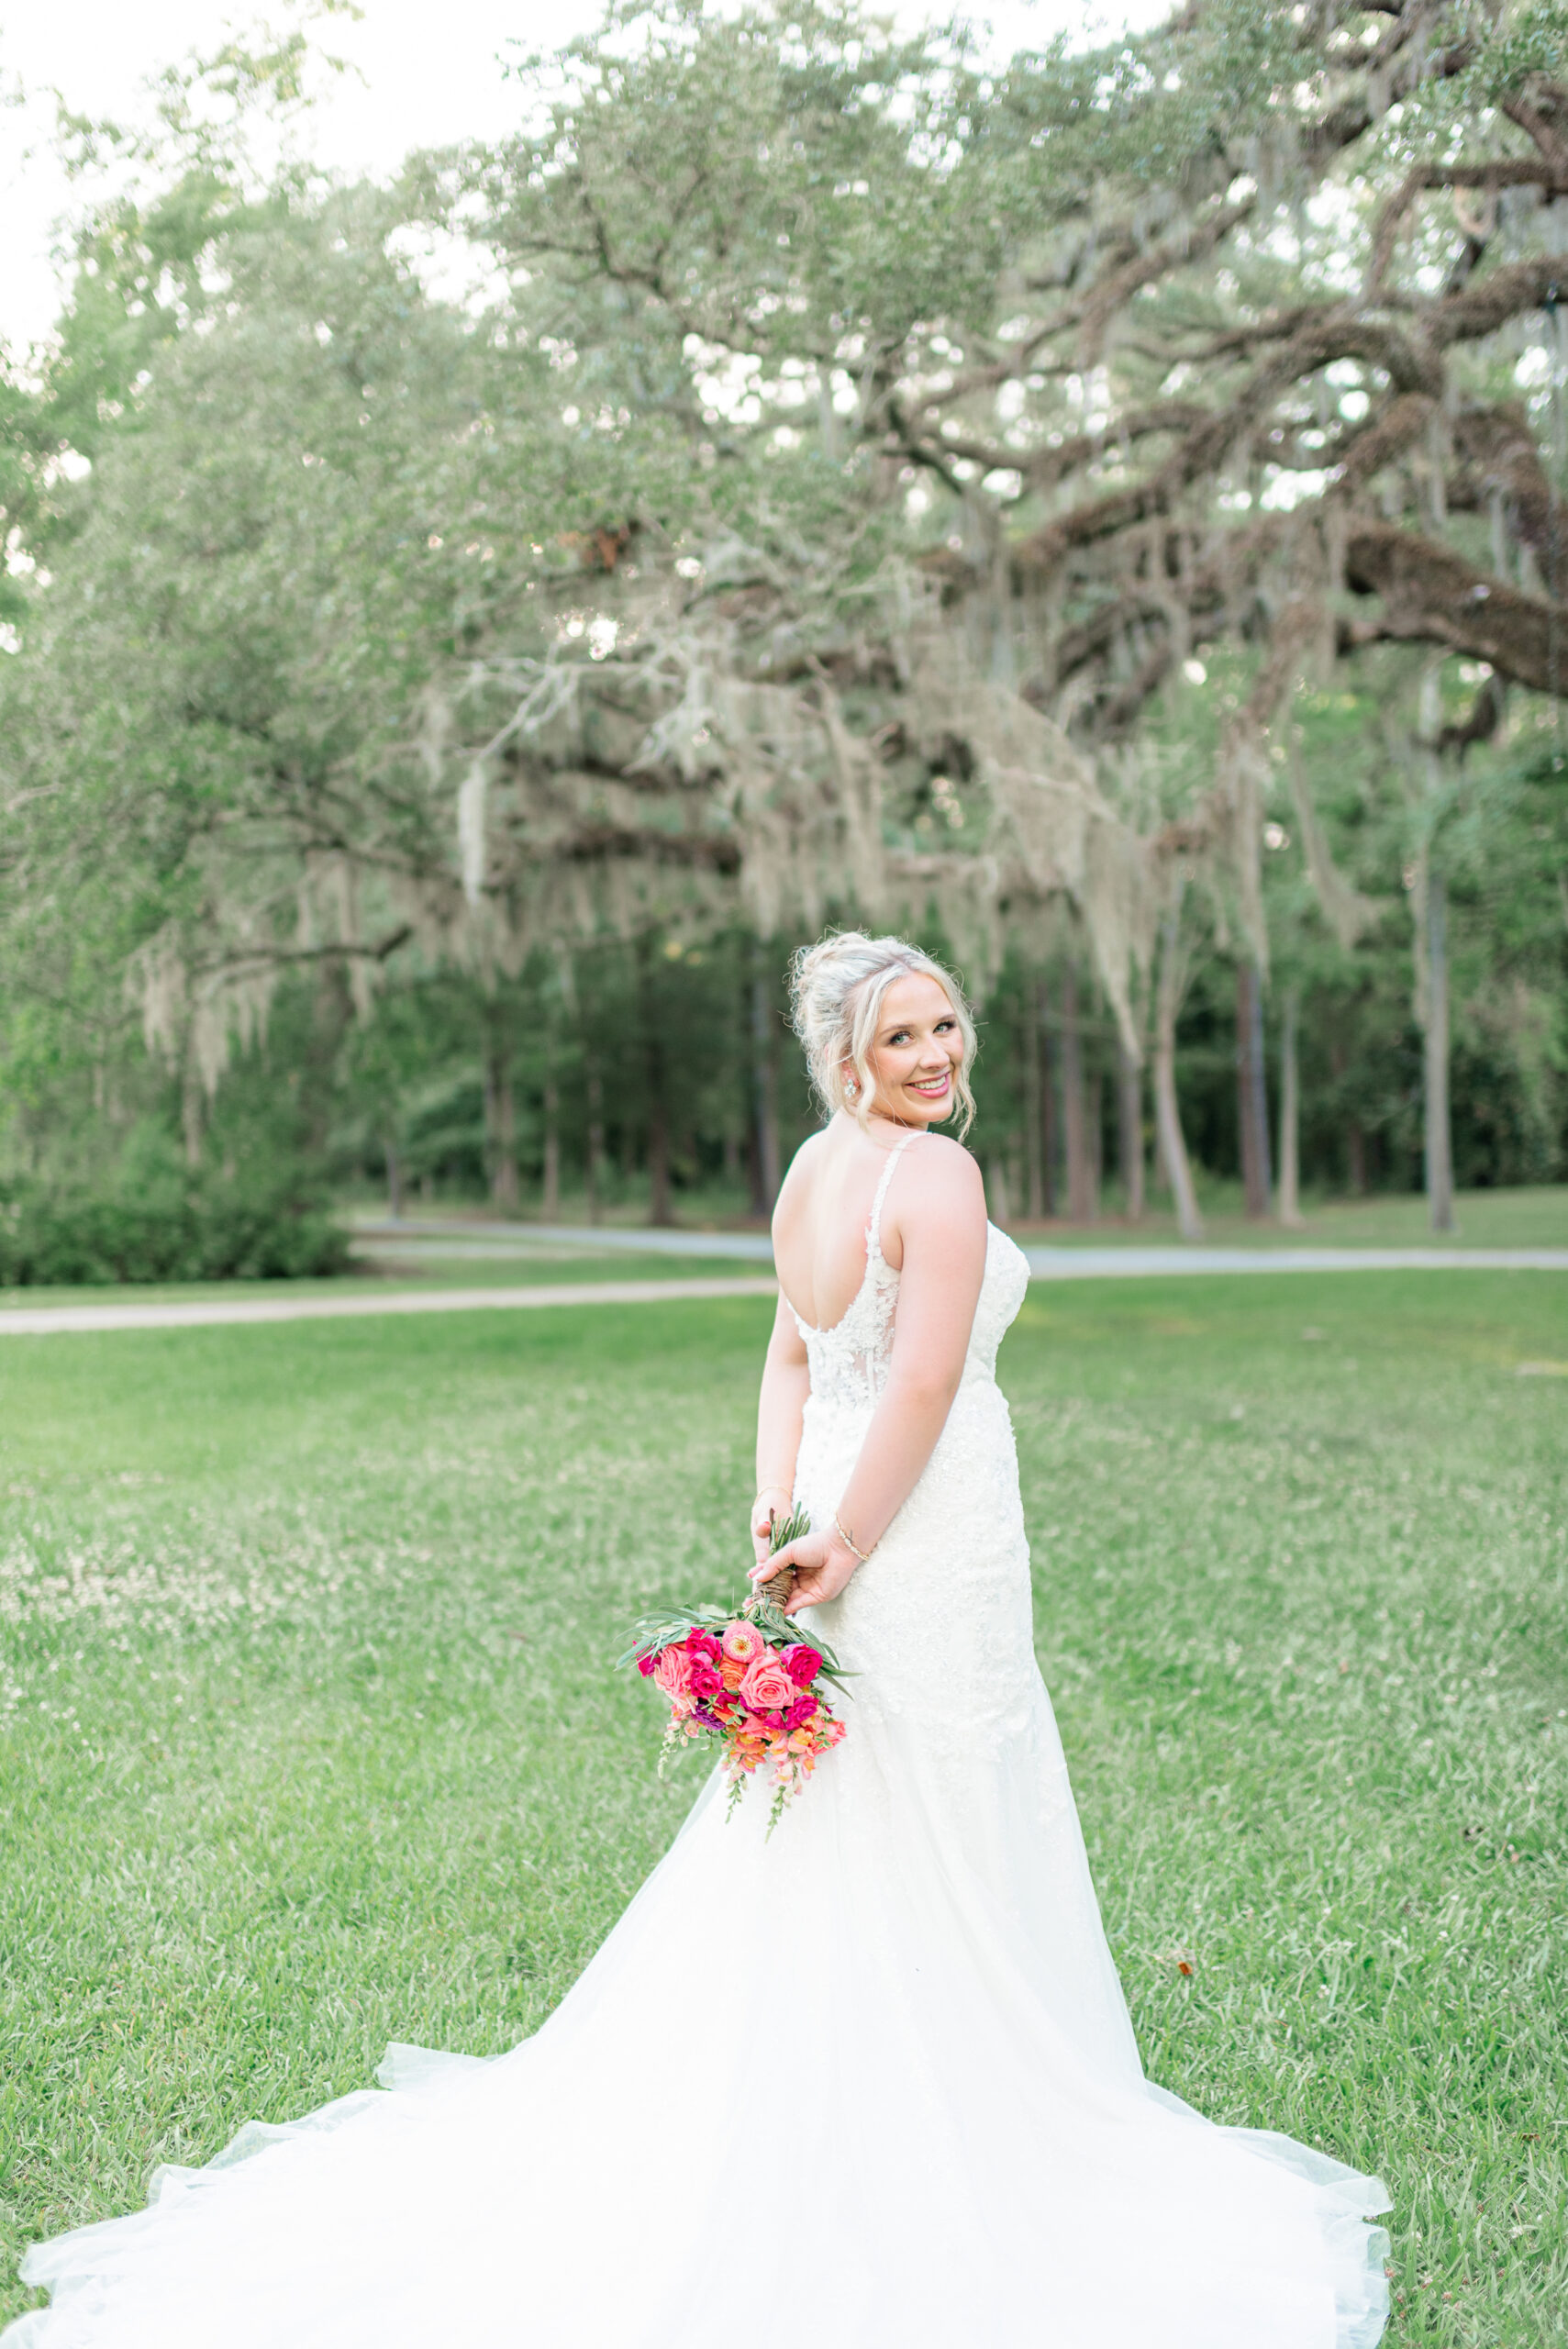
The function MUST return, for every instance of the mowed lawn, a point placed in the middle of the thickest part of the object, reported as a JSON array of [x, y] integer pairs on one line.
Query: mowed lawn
[[309, 1739]]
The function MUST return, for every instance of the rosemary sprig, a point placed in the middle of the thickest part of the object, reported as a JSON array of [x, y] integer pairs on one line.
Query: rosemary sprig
[[782, 1531]]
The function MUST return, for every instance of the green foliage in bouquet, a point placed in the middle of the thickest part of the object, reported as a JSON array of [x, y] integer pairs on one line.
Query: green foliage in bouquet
[[654, 1633]]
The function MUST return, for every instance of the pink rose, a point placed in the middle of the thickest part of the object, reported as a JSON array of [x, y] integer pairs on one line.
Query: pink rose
[[674, 1674], [802, 1664], [767, 1687], [742, 1643]]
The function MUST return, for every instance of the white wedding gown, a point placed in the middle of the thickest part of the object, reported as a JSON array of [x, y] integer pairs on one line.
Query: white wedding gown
[[871, 2082]]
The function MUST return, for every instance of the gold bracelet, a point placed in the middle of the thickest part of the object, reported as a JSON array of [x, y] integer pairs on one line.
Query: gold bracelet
[[847, 1540]]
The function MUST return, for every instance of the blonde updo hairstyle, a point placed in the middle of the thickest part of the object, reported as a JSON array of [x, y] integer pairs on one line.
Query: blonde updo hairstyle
[[836, 996]]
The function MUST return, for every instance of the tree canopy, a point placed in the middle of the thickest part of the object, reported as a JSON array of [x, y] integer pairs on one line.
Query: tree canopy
[[875, 478]]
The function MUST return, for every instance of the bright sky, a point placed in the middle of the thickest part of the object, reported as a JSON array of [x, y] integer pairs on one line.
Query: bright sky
[[430, 75]]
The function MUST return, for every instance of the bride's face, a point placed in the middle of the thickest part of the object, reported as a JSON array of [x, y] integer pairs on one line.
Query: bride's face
[[917, 1051]]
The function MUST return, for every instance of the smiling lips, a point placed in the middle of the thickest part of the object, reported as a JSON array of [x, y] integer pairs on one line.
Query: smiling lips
[[933, 1087]]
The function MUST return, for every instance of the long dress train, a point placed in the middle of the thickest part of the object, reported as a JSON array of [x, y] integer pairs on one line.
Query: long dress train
[[871, 2081]]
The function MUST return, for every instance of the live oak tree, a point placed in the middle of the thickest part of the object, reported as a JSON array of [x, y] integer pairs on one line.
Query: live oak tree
[[838, 511], [1212, 333]]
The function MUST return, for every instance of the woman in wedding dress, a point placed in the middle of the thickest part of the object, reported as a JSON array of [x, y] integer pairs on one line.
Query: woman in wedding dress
[[870, 2080]]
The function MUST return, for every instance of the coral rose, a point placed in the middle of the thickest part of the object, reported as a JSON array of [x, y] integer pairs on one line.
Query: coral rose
[[767, 1686], [743, 1642], [802, 1664]]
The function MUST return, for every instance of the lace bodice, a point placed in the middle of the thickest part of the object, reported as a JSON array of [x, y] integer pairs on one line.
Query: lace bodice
[[850, 1362]]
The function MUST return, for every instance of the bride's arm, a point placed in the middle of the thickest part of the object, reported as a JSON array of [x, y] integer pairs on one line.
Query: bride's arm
[[941, 1220], [787, 1382]]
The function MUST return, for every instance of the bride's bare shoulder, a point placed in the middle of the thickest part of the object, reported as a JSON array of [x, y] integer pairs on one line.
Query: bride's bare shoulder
[[942, 1178], [796, 1185], [804, 1164]]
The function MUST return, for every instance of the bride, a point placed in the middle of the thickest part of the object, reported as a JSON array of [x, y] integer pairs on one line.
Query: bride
[[872, 2080]]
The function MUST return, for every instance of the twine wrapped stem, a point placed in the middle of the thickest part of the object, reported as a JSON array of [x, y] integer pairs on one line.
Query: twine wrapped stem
[[778, 1587]]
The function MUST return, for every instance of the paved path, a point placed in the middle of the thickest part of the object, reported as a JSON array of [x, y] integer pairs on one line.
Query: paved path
[[455, 1240], [1128, 1263], [1045, 1263], [49, 1320], [510, 1239]]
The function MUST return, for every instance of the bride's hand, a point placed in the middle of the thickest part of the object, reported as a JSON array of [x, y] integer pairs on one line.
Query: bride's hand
[[774, 1499], [823, 1565]]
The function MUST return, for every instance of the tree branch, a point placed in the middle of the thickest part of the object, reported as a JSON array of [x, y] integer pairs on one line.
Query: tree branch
[[1432, 595]]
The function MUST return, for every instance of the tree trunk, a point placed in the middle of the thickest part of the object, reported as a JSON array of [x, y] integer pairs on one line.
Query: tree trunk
[[503, 1103], [655, 1077], [1050, 1122], [996, 1184], [1129, 1133], [596, 1158], [394, 1177], [1289, 1116], [765, 1151], [1355, 1139], [550, 1200], [1074, 1121], [330, 1014], [659, 1209], [1034, 1148], [1251, 1093], [1167, 1110], [1438, 1139], [1095, 1101], [191, 1109]]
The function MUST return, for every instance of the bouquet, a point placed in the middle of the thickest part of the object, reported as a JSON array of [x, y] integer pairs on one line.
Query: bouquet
[[742, 1675]]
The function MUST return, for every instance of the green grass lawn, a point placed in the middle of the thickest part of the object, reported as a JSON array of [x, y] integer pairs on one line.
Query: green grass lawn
[[309, 1739]]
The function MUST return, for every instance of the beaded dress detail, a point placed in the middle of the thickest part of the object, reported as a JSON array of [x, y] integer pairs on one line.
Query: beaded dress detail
[[873, 2077]]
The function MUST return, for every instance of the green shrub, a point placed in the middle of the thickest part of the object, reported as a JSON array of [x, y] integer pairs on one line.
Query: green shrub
[[206, 1231]]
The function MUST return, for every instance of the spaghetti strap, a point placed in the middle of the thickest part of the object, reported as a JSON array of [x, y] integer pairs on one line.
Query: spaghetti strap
[[874, 1227]]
